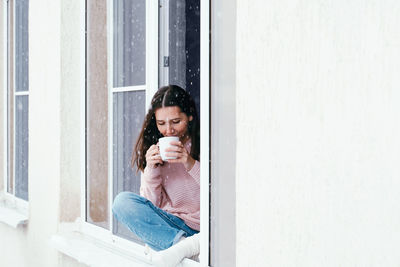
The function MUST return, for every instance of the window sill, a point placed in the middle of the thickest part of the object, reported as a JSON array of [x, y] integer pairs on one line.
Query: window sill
[[11, 214], [97, 253]]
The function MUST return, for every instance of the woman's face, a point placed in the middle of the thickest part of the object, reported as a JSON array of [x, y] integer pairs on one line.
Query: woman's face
[[171, 121]]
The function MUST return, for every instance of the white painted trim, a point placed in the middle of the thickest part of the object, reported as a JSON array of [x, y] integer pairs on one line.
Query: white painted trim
[[21, 203], [10, 201], [116, 243], [99, 253], [128, 89], [83, 107], [151, 50], [12, 216], [5, 95], [14, 90], [110, 83], [163, 41], [204, 132], [106, 236], [21, 93]]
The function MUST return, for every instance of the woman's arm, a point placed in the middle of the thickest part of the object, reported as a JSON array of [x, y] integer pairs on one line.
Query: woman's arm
[[151, 185], [151, 181], [195, 171]]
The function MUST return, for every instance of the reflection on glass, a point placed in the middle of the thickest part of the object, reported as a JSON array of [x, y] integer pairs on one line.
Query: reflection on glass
[[10, 98], [21, 147], [17, 98], [10, 147], [129, 42], [179, 45], [97, 159], [97, 206], [129, 108], [21, 45]]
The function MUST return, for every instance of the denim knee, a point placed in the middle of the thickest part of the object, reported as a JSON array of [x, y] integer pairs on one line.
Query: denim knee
[[125, 199], [120, 202]]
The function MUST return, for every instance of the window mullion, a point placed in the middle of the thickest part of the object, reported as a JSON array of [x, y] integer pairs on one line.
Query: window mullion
[[5, 95], [163, 42], [204, 133], [110, 57], [152, 8], [13, 97], [128, 88]]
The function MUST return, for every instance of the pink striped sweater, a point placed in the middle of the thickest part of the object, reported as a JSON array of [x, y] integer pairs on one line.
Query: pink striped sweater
[[175, 190]]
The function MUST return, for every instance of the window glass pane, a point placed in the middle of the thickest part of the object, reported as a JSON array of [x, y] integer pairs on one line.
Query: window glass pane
[[129, 42], [97, 159], [21, 45], [17, 81], [179, 41], [10, 98], [21, 147], [193, 50], [10, 145], [97, 206], [128, 115]]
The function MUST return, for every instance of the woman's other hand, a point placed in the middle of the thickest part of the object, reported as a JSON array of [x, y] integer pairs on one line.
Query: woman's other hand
[[182, 155], [153, 157]]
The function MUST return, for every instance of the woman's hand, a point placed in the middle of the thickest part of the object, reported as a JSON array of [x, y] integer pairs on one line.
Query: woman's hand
[[153, 158], [182, 155]]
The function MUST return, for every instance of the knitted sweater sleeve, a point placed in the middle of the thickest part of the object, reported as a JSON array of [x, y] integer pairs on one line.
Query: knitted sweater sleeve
[[151, 185], [195, 172]]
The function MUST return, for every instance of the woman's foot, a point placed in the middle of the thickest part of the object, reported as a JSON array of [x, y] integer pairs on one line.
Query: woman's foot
[[171, 257], [148, 252]]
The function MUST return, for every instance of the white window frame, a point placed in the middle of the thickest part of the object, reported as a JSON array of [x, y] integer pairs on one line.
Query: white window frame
[[151, 87], [9, 198], [163, 41]]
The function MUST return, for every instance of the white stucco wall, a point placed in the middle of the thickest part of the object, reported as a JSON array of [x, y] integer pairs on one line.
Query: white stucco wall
[[1, 96], [44, 130], [54, 135], [318, 133]]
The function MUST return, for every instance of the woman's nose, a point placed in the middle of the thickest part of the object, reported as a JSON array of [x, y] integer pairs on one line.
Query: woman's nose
[[170, 129]]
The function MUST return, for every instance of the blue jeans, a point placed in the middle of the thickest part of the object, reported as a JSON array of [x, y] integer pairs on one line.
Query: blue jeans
[[156, 227]]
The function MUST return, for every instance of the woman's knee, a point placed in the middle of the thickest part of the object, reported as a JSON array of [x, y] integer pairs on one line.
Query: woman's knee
[[124, 200]]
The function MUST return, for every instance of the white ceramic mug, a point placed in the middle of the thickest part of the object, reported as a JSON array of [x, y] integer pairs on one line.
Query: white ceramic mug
[[163, 143]]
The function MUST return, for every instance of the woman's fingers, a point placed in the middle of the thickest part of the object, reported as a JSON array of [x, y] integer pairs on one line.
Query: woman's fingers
[[154, 160], [174, 154], [174, 148], [154, 153], [176, 144], [156, 157], [153, 150], [153, 156]]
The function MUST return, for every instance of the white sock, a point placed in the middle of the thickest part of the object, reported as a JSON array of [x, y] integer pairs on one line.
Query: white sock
[[148, 252], [172, 256]]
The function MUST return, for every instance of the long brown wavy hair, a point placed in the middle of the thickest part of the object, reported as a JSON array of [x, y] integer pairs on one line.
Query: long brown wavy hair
[[167, 96]]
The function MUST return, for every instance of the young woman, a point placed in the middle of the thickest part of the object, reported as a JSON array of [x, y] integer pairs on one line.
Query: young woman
[[166, 215]]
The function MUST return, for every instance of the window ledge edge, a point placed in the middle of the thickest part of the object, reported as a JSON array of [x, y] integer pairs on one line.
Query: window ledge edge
[[71, 241], [12, 215]]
